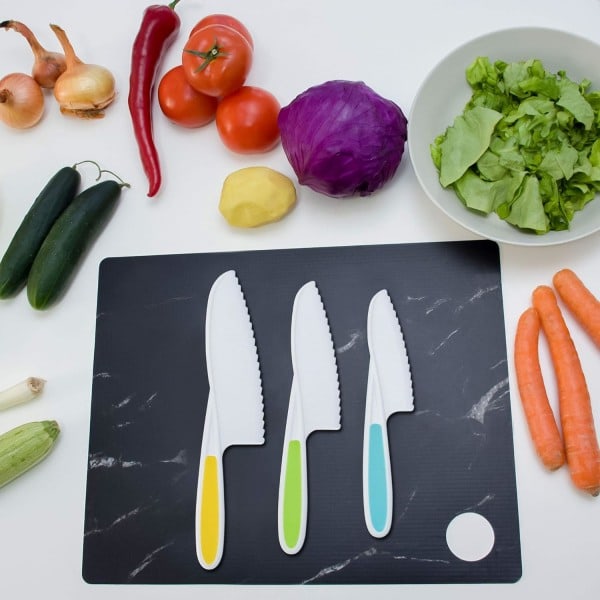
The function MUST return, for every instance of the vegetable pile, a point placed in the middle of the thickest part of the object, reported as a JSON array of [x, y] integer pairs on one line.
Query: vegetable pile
[[216, 61], [26, 445], [342, 138], [526, 146], [54, 235], [578, 445], [207, 85], [48, 66], [81, 90]]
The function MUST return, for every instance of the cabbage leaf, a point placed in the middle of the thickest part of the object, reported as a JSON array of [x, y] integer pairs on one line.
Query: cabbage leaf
[[526, 147]]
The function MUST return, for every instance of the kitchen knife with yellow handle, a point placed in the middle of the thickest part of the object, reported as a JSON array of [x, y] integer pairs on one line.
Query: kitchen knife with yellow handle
[[314, 405], [389, 390], [234, 411]]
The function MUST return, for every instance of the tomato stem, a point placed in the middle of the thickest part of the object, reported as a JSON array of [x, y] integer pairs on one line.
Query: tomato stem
[[212, 54]]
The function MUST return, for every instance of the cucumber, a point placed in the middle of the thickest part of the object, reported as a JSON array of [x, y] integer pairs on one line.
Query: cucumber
[[24, 447], [50, 203], [68, 239]]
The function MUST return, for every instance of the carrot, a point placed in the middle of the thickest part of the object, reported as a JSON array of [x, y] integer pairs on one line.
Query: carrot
[[580, 301], [538, 413], [576, 417]]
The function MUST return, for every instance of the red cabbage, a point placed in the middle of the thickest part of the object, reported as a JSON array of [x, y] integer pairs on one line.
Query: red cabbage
[[343, 139]]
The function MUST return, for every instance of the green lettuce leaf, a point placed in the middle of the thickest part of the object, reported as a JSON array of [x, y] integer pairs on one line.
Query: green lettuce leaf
[[486, 196], [527, 210], [465, 141], [572, 99], [560, 163]]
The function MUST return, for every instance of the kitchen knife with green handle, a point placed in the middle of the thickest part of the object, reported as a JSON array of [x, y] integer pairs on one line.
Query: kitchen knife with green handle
[[314, 405], [389, 390], [234, 411]]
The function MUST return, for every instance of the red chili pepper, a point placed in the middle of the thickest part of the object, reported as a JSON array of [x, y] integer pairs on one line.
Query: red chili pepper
[[160, 25]]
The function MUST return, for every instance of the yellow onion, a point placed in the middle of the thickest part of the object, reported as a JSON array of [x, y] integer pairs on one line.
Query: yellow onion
[[83, 90], [47, 66], [21, 101]]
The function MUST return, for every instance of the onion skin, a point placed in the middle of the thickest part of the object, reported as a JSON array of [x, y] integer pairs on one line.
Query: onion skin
[[342, 139], [48, 68], [21, 101]]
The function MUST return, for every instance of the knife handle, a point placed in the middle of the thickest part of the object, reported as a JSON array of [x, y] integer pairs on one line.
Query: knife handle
[[210, 498], [292, 507], [377, 472]]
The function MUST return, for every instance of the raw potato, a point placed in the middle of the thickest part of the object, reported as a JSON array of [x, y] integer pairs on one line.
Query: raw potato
[[255, 196]]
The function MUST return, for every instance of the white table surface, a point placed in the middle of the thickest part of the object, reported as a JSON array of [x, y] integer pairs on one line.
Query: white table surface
[[391, 48]]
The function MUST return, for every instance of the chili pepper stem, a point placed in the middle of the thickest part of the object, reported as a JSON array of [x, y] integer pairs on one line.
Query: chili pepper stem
[[173, 4]]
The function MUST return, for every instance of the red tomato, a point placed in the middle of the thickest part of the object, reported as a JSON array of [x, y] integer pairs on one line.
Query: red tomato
[[216, 60], [227, 21], [247, 120], [181, 103]]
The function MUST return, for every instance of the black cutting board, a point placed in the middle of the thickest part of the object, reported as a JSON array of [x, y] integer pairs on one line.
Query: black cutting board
[[453, 454]]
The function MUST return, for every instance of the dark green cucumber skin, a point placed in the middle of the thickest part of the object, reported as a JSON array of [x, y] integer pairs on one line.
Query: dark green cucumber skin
[[47, 207], [71, 235]]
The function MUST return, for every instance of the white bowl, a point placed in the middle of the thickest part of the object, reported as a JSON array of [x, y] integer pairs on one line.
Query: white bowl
[[443, 95]]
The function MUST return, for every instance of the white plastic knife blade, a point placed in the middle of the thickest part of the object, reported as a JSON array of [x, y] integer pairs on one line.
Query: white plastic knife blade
[[314, 405], [234, 411], [389, 390]]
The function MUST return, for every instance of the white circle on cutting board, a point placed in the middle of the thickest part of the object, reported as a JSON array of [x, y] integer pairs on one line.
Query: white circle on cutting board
[[470, 536]]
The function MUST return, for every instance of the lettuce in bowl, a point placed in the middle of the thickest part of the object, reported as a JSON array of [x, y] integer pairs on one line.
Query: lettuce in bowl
[[526, 146]]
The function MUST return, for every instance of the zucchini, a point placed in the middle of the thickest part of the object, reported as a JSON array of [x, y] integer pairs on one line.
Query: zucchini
[[50, 203], [24, 447], [68, 239]]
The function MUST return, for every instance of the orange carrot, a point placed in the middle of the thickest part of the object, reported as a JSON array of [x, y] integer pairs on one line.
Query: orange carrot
[[576, 417], [580, 301], [538, 413]]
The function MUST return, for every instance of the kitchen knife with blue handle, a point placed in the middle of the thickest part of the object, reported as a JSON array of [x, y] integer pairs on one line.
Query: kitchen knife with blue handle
[[389, 390]]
